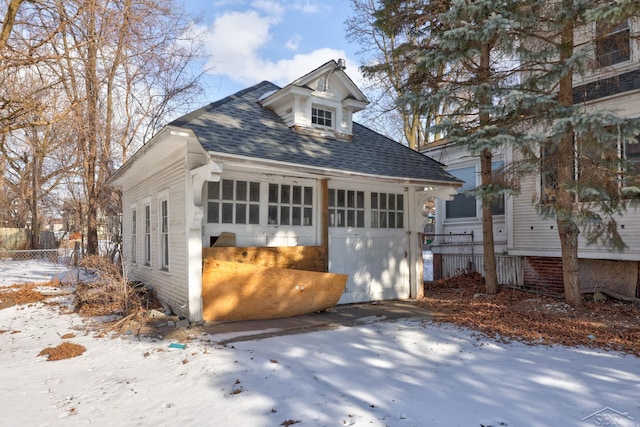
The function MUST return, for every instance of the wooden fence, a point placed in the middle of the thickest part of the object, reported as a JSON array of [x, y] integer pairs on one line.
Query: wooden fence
[[508, 268]]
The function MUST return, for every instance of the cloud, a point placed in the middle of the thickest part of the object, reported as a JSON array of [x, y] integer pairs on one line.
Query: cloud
[[241, 47]]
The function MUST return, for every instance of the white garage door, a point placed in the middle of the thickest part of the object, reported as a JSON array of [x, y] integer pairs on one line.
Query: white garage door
[[377, 266]]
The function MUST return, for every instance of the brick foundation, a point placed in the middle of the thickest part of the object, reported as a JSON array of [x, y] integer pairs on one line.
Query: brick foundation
[[543, 274]]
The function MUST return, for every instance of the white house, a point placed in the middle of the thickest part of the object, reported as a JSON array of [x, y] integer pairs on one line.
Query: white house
[[268, 164], [613, 83]]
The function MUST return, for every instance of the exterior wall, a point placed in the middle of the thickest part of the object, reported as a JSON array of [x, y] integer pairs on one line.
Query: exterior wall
[[456, 158], [170, 286], [377, 260]]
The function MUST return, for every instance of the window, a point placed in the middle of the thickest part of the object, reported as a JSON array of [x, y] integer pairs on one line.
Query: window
[[387, 210], [290, 205], [498, 201], [134, 230], [463, 205], [346, 208], [233, 202], [321, 117], [164, 234], [147, 235], [548, 172], [613, 44]]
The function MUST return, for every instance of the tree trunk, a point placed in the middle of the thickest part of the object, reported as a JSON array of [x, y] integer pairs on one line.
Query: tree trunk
[[489, 255], [488, 248], [565, 201]]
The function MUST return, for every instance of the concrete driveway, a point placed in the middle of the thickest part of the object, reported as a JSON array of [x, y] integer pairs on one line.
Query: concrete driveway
[[335, 317]]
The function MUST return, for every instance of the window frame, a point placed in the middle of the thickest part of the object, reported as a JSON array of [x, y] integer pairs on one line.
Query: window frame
[[163, 231], [225, 203], [608, 37], [147, 233], [468, 185], [282, 205], [386, 210], [319, 120], [347, 208], [134, 233]]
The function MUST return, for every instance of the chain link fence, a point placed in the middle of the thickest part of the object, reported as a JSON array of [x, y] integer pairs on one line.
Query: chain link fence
[[25, 266]]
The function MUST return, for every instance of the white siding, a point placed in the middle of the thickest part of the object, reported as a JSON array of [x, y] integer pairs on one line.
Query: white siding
[[170, 286]]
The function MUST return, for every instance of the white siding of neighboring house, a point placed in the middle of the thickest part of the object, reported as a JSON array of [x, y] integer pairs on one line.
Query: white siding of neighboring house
[[456, 158], [170, 286]]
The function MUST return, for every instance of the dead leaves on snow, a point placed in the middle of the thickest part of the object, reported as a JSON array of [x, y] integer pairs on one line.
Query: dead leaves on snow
[[65, 350]]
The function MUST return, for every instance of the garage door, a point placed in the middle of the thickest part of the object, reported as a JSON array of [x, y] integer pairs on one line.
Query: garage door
[[377, 266]]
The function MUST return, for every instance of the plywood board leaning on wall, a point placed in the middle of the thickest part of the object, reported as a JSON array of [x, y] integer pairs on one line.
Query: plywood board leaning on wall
[[241, 291]]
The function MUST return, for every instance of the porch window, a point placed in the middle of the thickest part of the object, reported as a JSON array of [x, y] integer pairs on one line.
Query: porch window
[[321, 117], [233, 202], [147, 235], [346, 208], [613, 44], [290, 205], [463, 205], [164, 234], [387, 210], [134, 231]]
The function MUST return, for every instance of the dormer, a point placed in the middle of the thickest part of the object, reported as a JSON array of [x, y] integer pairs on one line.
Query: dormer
[[322, 102]]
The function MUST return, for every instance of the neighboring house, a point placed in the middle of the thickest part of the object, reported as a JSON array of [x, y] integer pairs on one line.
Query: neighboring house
[[614, 83], [268, 164]]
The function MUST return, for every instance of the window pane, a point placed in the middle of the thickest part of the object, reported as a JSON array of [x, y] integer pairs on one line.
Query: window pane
[[360, 219], [284, 215], [227, 213], [461, 207], [308, 216], [392, 220], [227, 189], [351, 199], [341, 198], [254, 191], [351, 218], [296, 215], [273, 193], [332, 218], [297, 195], [360, 200], [392, 202], [285, 194], [383, 220], [399, 202], [341, 218], [374, 219], [400, 220], [273, 215], [213, 190], [308, 196], [332, 197], [241, 190], [383, 201], [241, 213], [374, 200], [254, 214], [498, 206]]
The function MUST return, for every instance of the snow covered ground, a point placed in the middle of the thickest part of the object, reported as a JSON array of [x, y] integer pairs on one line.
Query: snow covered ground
[[404, 373]]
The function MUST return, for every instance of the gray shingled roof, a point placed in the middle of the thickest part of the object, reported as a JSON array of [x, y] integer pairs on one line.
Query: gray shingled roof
[[239, 125]]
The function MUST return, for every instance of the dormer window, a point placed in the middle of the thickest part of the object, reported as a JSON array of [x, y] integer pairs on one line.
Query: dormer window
[[613, 44], [321, 117]]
